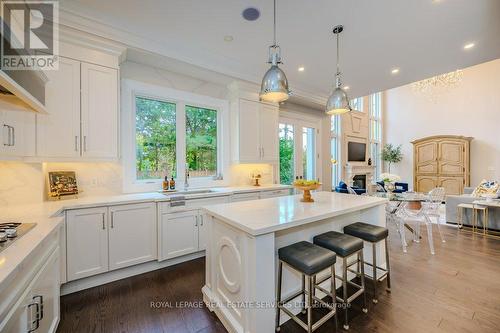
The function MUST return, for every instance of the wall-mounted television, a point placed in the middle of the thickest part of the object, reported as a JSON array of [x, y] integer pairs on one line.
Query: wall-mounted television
[[356, 152]]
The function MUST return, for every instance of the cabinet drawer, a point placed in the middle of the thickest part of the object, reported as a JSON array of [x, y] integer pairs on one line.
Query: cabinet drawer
[[245, 196], [274, 193], [191, 204]]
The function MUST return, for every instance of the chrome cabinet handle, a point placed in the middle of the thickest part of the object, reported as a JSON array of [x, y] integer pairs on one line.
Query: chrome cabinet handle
[[37, 320], [40, 297], [8, 135], [263, 153], [13, 136], [112, 219], [103, 222], [201, 220], [196, 221], [76, 142], [84, 143]]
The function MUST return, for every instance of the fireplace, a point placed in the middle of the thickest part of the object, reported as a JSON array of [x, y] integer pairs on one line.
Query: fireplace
[[359, 181]]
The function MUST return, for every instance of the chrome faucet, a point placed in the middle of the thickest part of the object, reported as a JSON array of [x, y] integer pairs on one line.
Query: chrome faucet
[[186, 178]]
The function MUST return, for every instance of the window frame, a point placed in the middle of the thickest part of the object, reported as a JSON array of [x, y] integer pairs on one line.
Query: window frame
[[131, 90], [375, 116]]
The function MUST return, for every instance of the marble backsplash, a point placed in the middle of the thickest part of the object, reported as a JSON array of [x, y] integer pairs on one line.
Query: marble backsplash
[[26, 183]]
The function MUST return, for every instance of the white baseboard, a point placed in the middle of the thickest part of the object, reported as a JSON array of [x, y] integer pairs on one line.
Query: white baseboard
[[100, 279]]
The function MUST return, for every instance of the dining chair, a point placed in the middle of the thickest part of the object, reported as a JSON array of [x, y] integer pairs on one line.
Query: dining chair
[[394, 216], [429, 208]]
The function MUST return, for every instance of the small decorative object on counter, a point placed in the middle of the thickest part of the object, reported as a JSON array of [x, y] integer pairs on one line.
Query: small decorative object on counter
[[370, 161], [62, 183], [172, 183], [307, 186], [256, 178], [164, 184]]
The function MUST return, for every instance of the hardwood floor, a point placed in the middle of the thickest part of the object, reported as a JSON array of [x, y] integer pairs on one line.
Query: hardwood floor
[[457, 290]]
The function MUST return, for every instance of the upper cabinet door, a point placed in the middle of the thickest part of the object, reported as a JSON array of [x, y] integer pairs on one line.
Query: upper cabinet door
[[249, 140], [451, 157], [58, 133], [99, 111], [427, 156], [269, 117], [132, 235], [17, 130]]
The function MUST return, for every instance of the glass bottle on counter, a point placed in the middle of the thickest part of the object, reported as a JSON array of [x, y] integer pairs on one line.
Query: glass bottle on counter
[[165, 184], [172, 183]]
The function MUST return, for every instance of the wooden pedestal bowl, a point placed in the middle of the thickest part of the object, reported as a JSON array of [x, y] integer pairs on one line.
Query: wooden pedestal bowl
[[307, 191]]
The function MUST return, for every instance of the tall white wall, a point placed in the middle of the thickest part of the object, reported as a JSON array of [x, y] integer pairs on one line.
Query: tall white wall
[[471, 109]]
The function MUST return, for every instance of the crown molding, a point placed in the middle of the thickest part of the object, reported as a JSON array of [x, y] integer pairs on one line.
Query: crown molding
[[70, 18]]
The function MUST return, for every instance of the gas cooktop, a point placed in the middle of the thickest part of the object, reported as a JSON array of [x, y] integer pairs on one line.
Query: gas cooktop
[[11, 231]]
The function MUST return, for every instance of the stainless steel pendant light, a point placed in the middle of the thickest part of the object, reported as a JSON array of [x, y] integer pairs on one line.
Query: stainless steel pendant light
[[338, 102], [274, 87]]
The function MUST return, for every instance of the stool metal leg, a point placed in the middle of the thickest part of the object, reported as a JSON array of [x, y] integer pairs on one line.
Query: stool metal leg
[[309, 304], [278, 296], [388, 266], [303, 294], [374, 262], [362, 264], [344, 289], [334, 296]]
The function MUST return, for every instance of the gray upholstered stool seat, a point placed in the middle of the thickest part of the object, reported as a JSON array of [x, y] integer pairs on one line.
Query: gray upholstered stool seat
[[345, 246], [373, 234], [367, 232], [342, 244], [307, 257]]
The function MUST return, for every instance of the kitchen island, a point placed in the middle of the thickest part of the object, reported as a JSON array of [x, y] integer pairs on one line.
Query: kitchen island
[[244, 238]]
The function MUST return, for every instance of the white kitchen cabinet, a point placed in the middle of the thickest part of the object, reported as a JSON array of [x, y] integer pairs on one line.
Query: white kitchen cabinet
[[17, 133], [82, 102], [86, 242], [37, 310], [58, 133], [269, 119], [132, 235], [99, 103], [179, 233], [254, 132]]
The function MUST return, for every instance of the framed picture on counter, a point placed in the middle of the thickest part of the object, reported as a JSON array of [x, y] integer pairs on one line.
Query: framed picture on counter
[[62, 183]]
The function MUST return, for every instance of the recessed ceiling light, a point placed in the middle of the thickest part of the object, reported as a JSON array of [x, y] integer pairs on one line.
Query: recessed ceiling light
[[301, 69], [395, 71], [469, 46], [347, 88], [228, 38]]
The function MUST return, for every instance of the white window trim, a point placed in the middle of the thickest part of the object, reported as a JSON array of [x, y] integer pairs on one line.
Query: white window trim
[[376, 162], [132, 89]]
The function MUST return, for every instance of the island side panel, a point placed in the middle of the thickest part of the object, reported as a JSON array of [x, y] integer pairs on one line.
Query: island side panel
[[240, 278]]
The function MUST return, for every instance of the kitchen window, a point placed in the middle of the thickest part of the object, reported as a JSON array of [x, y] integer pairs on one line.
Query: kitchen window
[[172, 132], [375, 109]]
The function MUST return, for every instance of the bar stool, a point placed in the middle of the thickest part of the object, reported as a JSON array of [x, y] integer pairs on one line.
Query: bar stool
[[308, 260], [373, 234], [344, 247]]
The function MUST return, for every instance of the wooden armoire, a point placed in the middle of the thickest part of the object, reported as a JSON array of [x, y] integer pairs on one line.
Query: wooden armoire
[[441, 161]]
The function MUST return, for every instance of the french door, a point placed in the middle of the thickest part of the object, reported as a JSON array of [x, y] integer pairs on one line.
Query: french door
[[298, 150]]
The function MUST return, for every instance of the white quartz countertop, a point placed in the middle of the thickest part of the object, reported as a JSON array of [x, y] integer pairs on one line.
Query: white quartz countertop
[[49, 215], [274, 214]]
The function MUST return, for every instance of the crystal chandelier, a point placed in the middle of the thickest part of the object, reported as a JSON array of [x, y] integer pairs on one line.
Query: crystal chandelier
[[441, 83]]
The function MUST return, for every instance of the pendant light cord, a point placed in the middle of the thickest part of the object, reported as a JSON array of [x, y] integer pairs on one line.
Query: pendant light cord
[[274, 23], [338, 57]]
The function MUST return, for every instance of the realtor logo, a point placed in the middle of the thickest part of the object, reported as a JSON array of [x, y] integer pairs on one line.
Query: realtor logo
[[30, 35]]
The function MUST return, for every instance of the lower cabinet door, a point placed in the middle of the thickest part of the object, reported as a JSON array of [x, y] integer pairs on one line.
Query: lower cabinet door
[[132, 235], [87, 242], [179, 234], [426, 183], [202, 233], [38, 308], [45, 292]]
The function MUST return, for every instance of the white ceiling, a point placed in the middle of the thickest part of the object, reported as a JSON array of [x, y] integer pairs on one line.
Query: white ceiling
[[421, 37]]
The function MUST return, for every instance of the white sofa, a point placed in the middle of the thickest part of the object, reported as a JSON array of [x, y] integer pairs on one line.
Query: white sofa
[[452, 201]]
